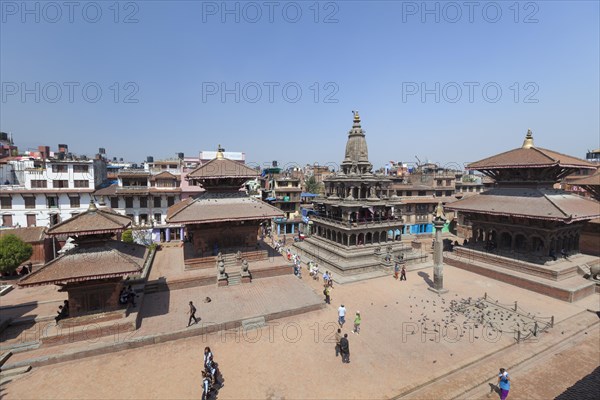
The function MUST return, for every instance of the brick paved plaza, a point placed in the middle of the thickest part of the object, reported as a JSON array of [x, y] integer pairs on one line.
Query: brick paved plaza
[[294, 357]]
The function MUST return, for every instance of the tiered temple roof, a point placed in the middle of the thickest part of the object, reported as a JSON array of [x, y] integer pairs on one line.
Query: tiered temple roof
[[95, 255], [524, 179]]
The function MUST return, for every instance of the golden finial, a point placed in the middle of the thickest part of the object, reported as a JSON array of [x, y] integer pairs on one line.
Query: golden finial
[[220, 151], [528, 142], [92, 206], [356, 116]]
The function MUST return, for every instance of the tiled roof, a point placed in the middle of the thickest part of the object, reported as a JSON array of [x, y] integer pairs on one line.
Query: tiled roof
[[548, 204], [590, 180], [107, 259], [211, 207], [165, 175], [534, 157], [91, 222], [29, 235], [222, 168]]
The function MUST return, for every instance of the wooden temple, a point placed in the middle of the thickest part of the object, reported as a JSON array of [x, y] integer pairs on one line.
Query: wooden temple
[[524, 212], [223, 218], [92, 271]]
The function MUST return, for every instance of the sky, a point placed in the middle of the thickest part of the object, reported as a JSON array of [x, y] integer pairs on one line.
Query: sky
[[447, 82]]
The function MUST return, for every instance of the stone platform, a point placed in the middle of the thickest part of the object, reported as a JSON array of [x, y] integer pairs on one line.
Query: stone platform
[[358, 260], [163, 318], [559, 279]]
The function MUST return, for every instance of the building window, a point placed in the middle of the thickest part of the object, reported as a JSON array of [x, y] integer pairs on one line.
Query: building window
[[128, 202], [448, 182], [439, 182], [409, 193], [38, 184], [143, 202], [422, 193], [114, 202], [438, 193], [54, 219], [74, 202], [143, 218], [157, 202], [59, 168], [6, 202], [448, 192], [80, 168], [52, 201], [29, 201], [158, 218], [82, 183], [31, 220], [170, 201], [59, 184], [7, 220]]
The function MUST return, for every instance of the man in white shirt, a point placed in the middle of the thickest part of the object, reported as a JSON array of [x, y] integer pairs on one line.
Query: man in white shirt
[[342, 316]]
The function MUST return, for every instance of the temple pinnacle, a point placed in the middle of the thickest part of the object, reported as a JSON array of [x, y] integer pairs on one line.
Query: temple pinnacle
[[528, 142]]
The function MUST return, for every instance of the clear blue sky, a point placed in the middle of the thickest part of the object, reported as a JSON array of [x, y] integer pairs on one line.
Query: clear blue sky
[[374, 58]]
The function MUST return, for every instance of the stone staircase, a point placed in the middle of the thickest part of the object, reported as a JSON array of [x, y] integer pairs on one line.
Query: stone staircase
[[234, 278]]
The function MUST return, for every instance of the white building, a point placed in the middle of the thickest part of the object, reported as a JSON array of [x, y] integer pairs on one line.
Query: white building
[[44, 192]]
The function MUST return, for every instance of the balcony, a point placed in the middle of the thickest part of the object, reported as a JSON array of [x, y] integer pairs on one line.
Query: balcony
[[361, 222]]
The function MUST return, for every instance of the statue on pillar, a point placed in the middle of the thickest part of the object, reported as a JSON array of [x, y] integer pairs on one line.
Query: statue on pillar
[[438, 259]]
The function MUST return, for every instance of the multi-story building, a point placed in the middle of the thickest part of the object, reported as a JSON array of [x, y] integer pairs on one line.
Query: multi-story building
[[43, 189], [283, 191], [420, 192], [145, 194]]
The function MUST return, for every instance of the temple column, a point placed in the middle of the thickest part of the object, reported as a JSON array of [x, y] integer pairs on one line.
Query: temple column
[[168, 235], [438, 257]]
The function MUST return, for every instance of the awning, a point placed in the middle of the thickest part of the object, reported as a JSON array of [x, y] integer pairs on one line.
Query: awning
[[308, 195]]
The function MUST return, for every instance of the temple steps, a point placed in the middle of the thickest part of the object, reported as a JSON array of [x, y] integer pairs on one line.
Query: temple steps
[[234, 279]]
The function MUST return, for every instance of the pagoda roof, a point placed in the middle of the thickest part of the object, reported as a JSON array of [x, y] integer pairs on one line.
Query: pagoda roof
[[530, 156], [590, 180], [546, 204], [223, 168], [94, 221], [221, 207], [101, 260], [32, 234]]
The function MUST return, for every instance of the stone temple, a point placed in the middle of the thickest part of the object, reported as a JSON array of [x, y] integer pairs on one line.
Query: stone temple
[[357, 227]]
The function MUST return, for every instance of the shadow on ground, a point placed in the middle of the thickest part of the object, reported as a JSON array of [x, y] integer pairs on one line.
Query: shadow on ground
[[426, 278]]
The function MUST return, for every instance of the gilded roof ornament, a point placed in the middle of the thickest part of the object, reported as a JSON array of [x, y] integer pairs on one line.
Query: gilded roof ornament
[[220, 151], [528, 142]]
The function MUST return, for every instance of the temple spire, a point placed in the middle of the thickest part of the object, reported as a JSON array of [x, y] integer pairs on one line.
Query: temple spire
[[92, 206], [528, 142], [220, 151]]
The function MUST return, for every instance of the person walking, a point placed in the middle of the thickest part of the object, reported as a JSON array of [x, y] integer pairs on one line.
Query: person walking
[[205, 385], [192, 313], [345, 349], [503, 383], [327, 293], [357, 321], [403, 273], [342, 316], [396, 270], [338, 338]]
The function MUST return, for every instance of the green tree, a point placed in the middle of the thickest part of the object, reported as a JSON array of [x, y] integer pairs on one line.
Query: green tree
[[127, 236], [13, 251], [311, 185]]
